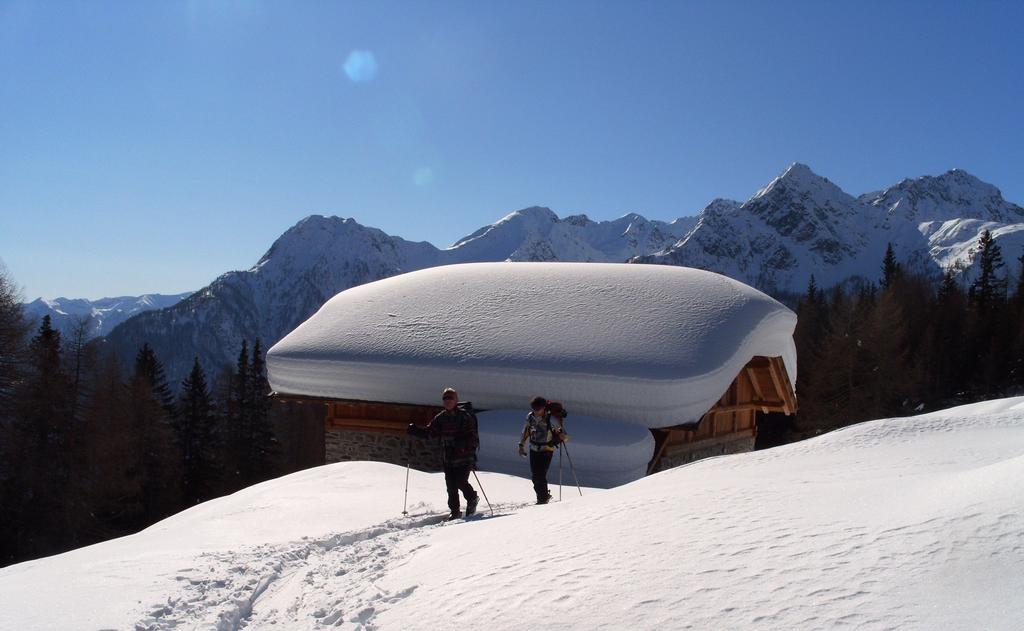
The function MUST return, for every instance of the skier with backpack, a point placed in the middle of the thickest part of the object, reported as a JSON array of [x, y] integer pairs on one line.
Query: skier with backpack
[[544, 436], [456, 427]]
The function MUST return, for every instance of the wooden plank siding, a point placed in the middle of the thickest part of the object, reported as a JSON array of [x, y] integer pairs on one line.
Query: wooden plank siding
[[386, 418], [761, 387]]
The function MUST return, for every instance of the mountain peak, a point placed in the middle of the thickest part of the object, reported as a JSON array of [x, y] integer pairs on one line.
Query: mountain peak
[[323, 222], [799, 169], [929, 198], [533, 213], [799, 177]]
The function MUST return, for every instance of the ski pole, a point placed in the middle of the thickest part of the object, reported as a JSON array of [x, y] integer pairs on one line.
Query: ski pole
[[559, 473], [489, 507], [405, 502], [573, 469]]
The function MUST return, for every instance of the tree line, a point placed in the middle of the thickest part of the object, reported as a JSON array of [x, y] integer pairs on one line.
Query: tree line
[[908, 343], [90, 450]]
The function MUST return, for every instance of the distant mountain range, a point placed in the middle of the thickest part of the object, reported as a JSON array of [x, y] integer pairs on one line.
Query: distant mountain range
[[799, 224], [100, 316], [803, 224]]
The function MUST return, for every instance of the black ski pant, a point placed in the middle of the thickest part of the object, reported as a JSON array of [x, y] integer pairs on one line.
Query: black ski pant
[[456, 478], [539, 462]]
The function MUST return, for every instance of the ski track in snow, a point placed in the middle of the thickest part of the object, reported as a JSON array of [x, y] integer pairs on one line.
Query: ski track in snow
[[326, 582], [913, 523]]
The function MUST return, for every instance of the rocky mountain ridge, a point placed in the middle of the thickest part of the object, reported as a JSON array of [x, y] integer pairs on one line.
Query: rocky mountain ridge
[[802, 224], [799, 224]]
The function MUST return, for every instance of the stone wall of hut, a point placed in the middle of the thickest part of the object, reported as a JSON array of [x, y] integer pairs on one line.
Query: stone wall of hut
[[343, 445], [676, 455]]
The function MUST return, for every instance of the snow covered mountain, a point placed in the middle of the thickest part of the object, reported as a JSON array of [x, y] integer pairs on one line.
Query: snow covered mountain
[[950, 211], [537, 234], [954, 193], [309, 263], [803, 224], [103, 314], [799, 224], [905, 523], [321, 256]]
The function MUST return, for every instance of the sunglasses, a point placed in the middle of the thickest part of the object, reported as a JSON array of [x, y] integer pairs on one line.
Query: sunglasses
[[448, 397]]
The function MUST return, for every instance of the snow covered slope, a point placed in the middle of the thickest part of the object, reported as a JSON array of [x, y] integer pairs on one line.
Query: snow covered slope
[[955, 193], [104, 314], [645, 344], [912, 523]]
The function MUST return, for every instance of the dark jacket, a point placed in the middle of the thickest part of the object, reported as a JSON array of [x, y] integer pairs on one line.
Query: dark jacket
[[457, 432]]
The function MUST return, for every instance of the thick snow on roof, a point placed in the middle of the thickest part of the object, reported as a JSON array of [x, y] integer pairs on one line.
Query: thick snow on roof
[[907, 523], [650, 344]]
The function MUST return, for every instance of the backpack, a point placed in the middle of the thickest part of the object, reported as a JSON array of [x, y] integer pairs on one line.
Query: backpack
[[466, 442]]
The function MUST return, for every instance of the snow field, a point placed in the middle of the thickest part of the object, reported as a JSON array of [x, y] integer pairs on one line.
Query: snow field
[[912, 523], [902, 523]]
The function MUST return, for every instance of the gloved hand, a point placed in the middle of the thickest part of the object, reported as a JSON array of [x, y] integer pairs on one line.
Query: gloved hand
[[522, 451]]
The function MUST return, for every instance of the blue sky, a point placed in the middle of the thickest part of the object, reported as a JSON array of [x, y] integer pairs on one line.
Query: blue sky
[[149, 147]]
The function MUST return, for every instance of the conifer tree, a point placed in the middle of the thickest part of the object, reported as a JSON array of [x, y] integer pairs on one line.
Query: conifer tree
[[890, 268], [989, 289], [987, 298], [945, 340], [1019, 293], [157, 463], [42, 419], [195, 431], [808, 336], [151, 372], [262, 446], [239, 419], [80, 356], [888, 376], [112, 481], [48, 384]]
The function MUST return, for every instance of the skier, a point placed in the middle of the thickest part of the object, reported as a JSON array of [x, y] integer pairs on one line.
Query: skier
[[543, 437], [456, 427]]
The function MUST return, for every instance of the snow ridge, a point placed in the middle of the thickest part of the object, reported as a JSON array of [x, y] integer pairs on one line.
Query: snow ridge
[[802, 224], [799, 224]]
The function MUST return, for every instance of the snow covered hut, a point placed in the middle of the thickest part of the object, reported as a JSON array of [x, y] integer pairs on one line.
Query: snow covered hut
[[679, 361]]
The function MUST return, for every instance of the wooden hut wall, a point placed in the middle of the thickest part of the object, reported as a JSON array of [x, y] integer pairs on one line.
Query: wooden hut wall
[[361, 430], [731, 425]]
